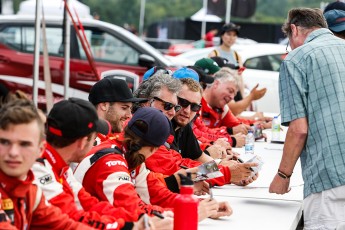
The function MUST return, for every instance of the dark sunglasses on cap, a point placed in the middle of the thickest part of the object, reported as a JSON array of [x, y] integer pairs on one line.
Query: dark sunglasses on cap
[[167, 105], [185, 103]]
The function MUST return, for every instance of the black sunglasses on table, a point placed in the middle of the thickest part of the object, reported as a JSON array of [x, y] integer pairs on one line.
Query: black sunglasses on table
[[185, 103], [167, 105]]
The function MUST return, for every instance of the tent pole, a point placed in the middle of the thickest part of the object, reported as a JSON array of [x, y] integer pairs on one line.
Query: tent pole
[[37, 52], [66, 52], [203, 24], [228, 11]]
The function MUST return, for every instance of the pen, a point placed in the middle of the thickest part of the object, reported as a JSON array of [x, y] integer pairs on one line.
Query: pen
[[211, 194], [146, 222], [184, 167], [241, 161], [158, 214]]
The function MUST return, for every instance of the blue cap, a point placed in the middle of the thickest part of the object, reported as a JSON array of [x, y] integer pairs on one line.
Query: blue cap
[[186, 73], [154, 70], [335, 20]]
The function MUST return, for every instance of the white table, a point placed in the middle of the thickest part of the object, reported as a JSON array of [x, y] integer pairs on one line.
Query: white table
[[254, 207], [258, 214]]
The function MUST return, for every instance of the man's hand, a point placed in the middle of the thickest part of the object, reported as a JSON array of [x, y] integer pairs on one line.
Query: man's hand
[[240, 140], [207, 207], [247, 181], [217, 151], [256, 93], [201, 188], [151, 223], [223, 210], [241, 128], [224, 143], [241, 171], [280, 185]]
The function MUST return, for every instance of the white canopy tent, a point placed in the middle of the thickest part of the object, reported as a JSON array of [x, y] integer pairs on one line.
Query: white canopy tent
[[202, 16], [54, 8]]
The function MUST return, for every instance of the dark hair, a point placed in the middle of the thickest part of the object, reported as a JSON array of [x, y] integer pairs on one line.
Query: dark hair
[[60, 142], [229, 27], [20, 111], [134, 143], [8, 96], [306, 18]]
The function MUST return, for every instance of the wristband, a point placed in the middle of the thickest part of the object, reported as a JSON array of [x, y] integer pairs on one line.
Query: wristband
[[229, 130], [283, 175], [207, 152], [234, 142]]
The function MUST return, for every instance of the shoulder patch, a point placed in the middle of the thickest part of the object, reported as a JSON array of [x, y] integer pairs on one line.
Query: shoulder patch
[[46, 179]]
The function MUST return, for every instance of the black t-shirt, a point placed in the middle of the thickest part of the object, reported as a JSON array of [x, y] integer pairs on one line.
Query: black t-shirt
[[238, 96], [185, 142]]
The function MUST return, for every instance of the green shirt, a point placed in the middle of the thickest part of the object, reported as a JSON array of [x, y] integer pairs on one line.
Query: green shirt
[[312, 85]]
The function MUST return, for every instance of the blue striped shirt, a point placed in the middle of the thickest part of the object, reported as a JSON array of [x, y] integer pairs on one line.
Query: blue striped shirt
[[312, 85]]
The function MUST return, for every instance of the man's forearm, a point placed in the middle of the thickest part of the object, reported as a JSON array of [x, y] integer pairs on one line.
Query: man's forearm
[[238, 107], [294, 144]]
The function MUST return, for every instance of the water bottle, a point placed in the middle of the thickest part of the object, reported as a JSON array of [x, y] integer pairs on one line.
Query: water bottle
[[249, 146], [275, 129], [186, 206]]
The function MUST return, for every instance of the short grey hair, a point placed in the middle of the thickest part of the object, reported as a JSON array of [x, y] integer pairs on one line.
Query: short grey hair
[[226, 74], [152, 86], [306, 18]]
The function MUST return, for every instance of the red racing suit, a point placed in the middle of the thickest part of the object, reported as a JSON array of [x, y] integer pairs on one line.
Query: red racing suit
[[168, 161], [207, 135], [26, 208], [214, 118], [61, 189], [109, 179]]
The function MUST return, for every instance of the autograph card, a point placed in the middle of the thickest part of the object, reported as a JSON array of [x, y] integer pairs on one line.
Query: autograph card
[[208, 170]]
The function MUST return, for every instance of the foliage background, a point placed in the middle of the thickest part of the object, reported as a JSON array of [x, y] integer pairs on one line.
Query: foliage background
[[122, 12]]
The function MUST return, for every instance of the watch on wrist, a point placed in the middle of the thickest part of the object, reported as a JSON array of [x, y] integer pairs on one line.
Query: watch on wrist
[[283, 175]]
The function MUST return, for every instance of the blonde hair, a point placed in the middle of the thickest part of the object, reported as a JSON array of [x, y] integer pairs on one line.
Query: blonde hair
[[192, 85]]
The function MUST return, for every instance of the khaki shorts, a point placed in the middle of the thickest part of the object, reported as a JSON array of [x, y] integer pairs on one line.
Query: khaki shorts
[[325, 210]]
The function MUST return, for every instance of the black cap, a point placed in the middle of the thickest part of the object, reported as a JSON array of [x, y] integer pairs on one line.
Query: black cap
[[230, 27], [223, 62], [335, 6], [112, 90], [203, 77], [74, 118], [158, 126]]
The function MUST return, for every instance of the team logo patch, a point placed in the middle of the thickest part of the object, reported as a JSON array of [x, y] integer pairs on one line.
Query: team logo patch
[[7, 204], [46, 179], [114, 163], [126, 178]]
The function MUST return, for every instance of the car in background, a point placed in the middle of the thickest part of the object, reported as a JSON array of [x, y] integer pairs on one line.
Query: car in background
[[113, 48], [179, 48], [262, 62]]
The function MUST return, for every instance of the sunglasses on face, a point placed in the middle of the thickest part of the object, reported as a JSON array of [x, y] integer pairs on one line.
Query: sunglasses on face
[[185, 103], [167, 105]]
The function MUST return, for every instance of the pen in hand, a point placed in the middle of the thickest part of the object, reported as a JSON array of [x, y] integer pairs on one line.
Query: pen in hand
[[158, 214], [146, 222], [211, 194]]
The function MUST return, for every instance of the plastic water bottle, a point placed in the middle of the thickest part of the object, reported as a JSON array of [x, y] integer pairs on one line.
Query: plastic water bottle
[[275, 129], [249, 146]]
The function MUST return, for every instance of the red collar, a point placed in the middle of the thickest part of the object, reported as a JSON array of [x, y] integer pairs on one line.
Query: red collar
[[15, 187], [55, 160], [204, 104]]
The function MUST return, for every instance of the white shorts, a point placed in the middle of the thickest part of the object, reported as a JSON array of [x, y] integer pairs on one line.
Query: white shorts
[[325, 210]]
